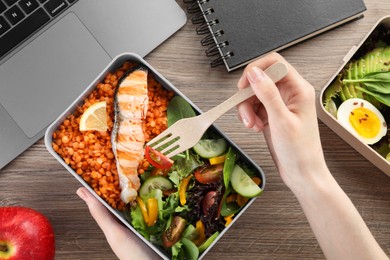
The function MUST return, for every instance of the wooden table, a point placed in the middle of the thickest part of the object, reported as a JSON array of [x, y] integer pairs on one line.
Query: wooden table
[[274, 227]]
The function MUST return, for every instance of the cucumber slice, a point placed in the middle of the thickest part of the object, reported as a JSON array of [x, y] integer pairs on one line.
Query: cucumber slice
[[209, 148], [155, 182], [243, 184]]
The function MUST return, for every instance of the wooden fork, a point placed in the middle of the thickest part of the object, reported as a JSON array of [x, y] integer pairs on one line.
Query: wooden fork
[[187, 132]]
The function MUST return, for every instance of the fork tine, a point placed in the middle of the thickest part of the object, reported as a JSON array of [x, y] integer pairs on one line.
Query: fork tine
[[172, 152], [169, 140], [179, 148], [170, 149], [160, 138]]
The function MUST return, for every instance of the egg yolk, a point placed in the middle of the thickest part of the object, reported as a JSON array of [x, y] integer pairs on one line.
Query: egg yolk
[[365, 122]]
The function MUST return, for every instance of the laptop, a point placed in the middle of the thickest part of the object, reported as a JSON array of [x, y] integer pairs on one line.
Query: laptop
[[68, 43]]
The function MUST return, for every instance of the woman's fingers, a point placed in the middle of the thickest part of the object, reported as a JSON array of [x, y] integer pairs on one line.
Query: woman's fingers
[[293, 77], [250, 114], [246, 113], [114, 231], [261, 63], [124, 243], [267, 92], [261, 83]]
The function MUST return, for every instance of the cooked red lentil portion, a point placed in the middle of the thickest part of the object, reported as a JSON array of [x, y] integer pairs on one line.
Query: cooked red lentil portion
[[90, 153]]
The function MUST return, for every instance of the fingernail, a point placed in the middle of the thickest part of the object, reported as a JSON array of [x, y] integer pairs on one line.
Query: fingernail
[[245, 120], [82, 194], [255, 74]]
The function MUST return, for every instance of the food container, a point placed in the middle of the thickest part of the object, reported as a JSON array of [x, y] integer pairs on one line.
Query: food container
[[115, 64], [375, 35]]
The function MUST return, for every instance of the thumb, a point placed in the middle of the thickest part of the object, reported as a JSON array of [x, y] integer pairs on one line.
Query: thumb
[[267, 92], [124, 243], [101, 215]]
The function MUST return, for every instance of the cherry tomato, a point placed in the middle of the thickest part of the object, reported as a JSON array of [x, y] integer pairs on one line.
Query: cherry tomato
[[157, 159], [173, 233], [209, 201], [209, 173]]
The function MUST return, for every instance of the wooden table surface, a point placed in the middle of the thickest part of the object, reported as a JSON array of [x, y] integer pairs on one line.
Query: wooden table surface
[[274, 227]]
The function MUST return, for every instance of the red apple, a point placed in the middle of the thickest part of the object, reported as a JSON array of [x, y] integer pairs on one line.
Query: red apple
[[25, 234]]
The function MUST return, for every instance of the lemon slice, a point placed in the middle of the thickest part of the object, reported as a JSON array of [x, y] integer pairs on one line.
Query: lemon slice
[[94, 118]]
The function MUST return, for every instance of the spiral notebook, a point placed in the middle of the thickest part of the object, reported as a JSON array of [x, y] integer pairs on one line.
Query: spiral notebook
[[240, 31]]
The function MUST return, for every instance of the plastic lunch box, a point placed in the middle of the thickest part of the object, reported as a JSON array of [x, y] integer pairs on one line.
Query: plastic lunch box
[[112, 66], [332, 122]]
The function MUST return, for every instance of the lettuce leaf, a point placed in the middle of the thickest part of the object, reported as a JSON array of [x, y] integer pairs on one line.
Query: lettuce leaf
[[177, 252], [137, 221], [185, 166], [170, 205]]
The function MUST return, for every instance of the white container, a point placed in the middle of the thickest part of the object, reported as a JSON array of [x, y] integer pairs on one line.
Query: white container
[[367, 151]]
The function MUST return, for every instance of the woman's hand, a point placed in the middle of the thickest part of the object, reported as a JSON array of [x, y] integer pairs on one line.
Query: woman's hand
[[124, 243], [285, 112]]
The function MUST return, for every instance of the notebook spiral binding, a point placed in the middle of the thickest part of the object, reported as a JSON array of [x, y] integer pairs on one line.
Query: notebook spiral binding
[[211, 38]]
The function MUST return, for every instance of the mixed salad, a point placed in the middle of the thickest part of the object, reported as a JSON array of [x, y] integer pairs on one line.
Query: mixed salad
[[184, 203]]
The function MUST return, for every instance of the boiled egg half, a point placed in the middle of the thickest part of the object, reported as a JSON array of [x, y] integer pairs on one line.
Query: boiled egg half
[[362, 119]]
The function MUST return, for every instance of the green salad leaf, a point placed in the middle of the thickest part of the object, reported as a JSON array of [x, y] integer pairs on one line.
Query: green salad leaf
[[191, 250], [178, 108], [170, 205], [137, 221], [383, 98], [177, 253], [375, 81], [228, 208], [185, 166], [228, 166], [174, 176], [377, 85]]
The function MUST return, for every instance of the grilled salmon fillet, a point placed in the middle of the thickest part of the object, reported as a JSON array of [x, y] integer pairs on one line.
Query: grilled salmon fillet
[[131, 106]]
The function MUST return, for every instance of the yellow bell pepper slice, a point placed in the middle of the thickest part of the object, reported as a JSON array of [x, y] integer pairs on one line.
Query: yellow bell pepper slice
[[143, 208], [241, 200], [257, 180], [228, 220], [218, 159], [231, 198], [183, 189], [152, 206], [149, 210], [201, 233]]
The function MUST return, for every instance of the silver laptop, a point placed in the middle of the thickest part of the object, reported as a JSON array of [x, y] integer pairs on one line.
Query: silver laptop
[[71, 43]]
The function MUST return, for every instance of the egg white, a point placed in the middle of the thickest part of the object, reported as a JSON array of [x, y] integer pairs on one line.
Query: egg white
[[344, 111]]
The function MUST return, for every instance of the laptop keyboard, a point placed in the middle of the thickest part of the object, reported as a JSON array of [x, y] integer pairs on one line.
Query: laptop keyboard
[[21, 18]]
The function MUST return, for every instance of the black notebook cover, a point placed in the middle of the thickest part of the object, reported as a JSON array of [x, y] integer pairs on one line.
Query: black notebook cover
[[243, 30]]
